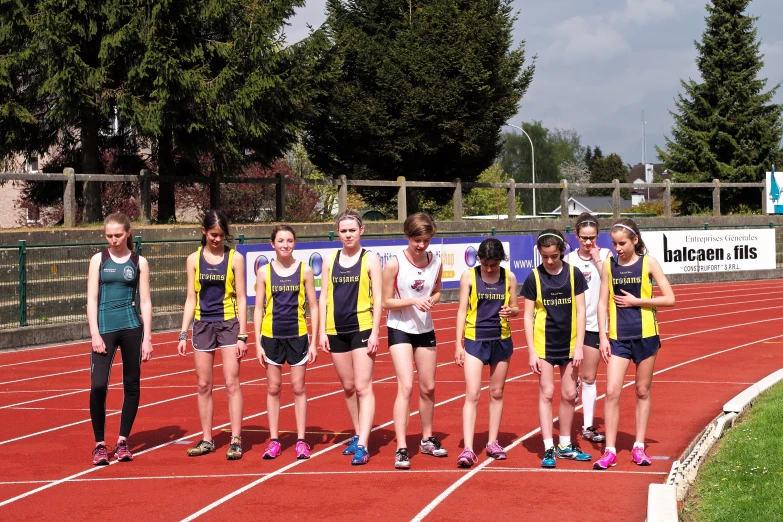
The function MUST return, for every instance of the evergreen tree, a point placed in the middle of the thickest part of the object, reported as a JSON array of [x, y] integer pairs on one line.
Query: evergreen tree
[[605, 170], [725, 126], [56, 82], [422, 91]]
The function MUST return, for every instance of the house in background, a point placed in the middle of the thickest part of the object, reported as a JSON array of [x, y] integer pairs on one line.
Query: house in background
[[592, 204], [645, 173]]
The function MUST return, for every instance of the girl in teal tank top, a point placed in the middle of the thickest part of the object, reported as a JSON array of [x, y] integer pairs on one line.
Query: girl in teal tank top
[[115, 275]]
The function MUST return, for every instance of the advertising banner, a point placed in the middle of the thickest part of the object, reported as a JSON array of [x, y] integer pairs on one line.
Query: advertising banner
[[689, 251]]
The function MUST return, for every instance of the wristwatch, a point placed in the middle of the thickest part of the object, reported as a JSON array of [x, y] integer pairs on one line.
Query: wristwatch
[[242, 337], [183, 336]]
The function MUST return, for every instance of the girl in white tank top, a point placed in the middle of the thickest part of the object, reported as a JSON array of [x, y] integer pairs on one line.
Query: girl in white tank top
[[411, 287]]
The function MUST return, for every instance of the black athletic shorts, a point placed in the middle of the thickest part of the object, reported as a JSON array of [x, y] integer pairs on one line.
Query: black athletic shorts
[[636, 349], [490, 352], [343, 343], [291, 350], [422, 340], [558, 361], [592, 340]]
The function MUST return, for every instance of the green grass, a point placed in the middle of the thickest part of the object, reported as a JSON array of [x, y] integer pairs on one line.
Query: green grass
[[743, 476]]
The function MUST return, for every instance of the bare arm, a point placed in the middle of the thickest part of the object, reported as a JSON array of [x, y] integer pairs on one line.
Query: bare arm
[[326, 280], [533, 359], [190, 300], [512, 310], [93, 286], [435, 295], [580, 330], [603, 306], [145, 303], [462, 312], [376, 281], [309, 282], [238, 266]]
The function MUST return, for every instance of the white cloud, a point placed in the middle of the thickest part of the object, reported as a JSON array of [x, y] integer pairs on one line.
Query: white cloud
[[645, 11], [589, 38]]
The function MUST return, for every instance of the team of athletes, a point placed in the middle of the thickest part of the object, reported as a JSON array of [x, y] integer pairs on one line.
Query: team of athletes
[[566, 326]]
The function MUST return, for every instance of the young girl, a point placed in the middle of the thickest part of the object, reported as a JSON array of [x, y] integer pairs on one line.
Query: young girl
[[589, 260], [487, 299], [216, 297], [554, 329], [114, 275], [350, 305], [411, 287], [626, 289], [281, 327]]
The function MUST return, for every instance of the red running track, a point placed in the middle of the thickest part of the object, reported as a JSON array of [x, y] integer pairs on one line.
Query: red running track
[[717, 341]]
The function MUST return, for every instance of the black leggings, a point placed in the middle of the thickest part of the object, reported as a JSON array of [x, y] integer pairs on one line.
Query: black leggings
[[129, 341]]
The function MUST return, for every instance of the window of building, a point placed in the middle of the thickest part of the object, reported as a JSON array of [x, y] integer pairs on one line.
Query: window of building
[[31, 164]]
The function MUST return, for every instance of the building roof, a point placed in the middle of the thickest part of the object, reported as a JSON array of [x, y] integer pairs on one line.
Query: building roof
[[592, 204], [637, 174]]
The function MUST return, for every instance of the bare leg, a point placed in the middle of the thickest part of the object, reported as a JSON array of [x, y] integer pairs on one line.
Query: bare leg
[[546, 390], [426, 364], [231, 376], [473, 369], [402, 359], [644, 375], [204, 362], [300, 399], [363, 364], [274, 382], [497, 383], [568, 376], [343, 365], [615, 375]]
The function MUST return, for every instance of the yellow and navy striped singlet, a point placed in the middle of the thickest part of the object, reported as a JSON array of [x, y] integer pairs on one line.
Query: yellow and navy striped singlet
[[215, 291], [284, 304], [486, 299], [554, 319], [349, 299], [635, 322]]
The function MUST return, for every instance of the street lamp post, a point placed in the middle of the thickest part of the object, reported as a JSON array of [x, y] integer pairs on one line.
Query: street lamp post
[[533, 158]]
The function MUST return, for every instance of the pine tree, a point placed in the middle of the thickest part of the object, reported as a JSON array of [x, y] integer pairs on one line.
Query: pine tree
[[725, 126], [422, 91], [605, 170]]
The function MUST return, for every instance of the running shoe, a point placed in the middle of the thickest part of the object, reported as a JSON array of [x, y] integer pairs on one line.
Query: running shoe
[[608, 460], [431, 446], [121, 451], [550, 458], [572, 451], [578, 387], [351, 449], [496, 451], [100, 457], [467, 458], [302, 450], [273, 450], [361, 456], [401, 459], [234, 449], [591, 434], [639, 457], [202, 447]]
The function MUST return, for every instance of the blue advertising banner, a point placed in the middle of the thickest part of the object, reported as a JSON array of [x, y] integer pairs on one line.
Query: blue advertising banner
[[457, 255]]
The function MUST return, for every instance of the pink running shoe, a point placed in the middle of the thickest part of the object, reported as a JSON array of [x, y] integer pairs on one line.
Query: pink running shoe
[[639, 457], [273, 450], [467, 458], [100, 457], [121, 451], [302, 450], [607, 460], [496, 451]]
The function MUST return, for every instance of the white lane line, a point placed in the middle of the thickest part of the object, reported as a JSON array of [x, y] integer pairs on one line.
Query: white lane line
[[356, 472], [733, 312], [440, 498]]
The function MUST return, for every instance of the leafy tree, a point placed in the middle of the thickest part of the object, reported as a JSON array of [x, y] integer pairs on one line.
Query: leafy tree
[[725, 126], [486, 201], [422, 90], [215, 87], [604, 171], [574, 173]]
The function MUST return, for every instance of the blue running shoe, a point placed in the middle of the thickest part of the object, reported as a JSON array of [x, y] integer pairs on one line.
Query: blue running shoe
[[550, 458], [361, 456], [572, 451], [351, 449]]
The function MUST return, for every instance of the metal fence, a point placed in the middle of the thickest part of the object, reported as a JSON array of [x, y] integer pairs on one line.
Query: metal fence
[[44, 284]]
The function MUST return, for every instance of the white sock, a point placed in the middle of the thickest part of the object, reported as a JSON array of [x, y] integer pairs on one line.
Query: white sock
[[589, 394], [612, 449], [565, 440], [638, 445], [549, 443]]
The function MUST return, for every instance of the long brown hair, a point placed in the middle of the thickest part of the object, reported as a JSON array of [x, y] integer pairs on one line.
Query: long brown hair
[[118, 218], [620, 226]]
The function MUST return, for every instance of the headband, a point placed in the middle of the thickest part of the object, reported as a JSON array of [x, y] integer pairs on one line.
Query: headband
[[551, 234], [587, 222], [625, 227], [351, 216]]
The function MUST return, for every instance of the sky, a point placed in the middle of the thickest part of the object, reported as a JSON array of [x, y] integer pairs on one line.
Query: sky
[[602, 62]]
